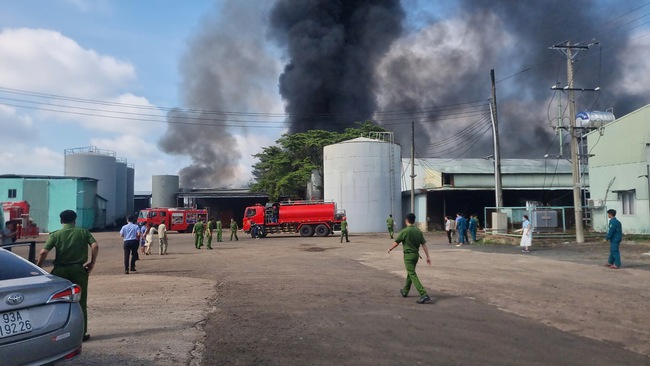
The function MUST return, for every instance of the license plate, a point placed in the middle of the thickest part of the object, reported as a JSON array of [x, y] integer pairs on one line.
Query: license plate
[[14, 322]]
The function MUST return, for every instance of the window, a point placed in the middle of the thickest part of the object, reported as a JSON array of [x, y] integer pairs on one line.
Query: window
[[11, 193], [627, 202], [447, 179]]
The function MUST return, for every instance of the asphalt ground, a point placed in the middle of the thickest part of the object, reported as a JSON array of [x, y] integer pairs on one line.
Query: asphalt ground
[[292, 300]]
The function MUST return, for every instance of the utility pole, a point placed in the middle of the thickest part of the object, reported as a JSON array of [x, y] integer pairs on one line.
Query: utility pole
[[567, 48], [498, 192], [413, 167]]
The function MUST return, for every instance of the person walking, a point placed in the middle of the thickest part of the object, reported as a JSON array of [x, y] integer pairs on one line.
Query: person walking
[[344, 230], [162, 238], [614, 235], [461, 226], [233, 229], [71, 260], [526, 234], [198, 231], [148, 238], [411, 239], [450, 225], [219, 231], [390, 224], [130, 234], [142, 235], [473, 227], [208, 232]]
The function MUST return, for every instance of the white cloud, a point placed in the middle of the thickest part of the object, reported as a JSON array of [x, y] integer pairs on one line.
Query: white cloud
[[46, 61]]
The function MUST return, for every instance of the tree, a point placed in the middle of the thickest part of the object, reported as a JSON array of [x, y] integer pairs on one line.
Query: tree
[[283, 170]]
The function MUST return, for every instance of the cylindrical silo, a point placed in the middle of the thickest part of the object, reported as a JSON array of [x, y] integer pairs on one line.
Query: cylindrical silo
[[95, 163], [363, 177], [130, 189], [120, 188], [164, 189]]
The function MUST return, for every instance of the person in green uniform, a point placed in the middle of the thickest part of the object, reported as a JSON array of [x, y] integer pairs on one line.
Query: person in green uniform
[[411, 239], [219, 231], [208, 232], [198, 234], [233, 229], [390, 224], [344, 230], [71, 255]]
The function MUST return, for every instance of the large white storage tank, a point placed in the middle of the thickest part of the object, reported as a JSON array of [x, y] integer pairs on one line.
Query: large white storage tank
[[120, 188], [164, 189], [363, 177], [130, 189], [95, 163]]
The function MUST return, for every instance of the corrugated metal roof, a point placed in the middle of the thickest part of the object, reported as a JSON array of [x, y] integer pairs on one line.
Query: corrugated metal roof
[[484, 166]]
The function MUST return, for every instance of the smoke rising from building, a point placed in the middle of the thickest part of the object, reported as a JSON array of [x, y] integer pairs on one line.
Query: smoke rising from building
[[333, 48], [448, 61], [347, 61], [225, 69]]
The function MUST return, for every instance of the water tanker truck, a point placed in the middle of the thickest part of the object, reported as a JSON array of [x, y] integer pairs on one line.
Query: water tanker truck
[[304, 217]]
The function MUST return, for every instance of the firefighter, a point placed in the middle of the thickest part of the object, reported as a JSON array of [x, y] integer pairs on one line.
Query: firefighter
[[198, 234]]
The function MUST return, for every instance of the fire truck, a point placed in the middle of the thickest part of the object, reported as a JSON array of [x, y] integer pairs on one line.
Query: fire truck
[[304, 217], [181, 219], [18, 213]]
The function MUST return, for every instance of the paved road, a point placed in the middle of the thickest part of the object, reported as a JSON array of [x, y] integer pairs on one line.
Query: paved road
[[292, 300]]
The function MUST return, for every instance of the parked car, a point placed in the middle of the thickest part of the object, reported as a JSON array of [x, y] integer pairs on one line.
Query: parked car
[[41, 321]]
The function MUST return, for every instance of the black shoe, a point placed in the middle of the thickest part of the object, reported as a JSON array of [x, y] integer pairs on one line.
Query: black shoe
[[404, 293], [423, 299], [126, 271], [133, 270], [86, 337]]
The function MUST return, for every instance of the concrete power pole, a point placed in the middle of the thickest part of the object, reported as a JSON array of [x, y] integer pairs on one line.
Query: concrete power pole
[[498, 191], [567, 48], [413, 167], [575, 162]]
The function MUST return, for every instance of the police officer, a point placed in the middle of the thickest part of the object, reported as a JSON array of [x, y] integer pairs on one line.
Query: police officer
[[219, 231], [71, 245], [208, 233], [233, 229], [390, 224], [198, 230], [344, 230]]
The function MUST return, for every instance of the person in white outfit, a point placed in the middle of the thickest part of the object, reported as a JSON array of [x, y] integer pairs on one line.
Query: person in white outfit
[[526, 234], [162, 238], [148, 239]]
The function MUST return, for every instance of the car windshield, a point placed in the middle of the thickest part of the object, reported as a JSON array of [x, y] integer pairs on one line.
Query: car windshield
[[12, 266]]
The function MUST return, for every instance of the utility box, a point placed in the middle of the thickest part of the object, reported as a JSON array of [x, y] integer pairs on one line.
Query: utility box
[[499, 223], [544, 220]]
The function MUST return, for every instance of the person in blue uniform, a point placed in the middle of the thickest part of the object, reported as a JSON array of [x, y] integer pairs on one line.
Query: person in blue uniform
[[461, 226], [614, 235], [473, 227]]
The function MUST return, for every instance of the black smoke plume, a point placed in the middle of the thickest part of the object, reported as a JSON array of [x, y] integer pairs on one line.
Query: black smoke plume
[[333, 48], [448, 61]]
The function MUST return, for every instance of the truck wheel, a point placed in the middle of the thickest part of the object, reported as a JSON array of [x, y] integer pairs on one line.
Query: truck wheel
[[306, 230], [189, 228], [322, 230]]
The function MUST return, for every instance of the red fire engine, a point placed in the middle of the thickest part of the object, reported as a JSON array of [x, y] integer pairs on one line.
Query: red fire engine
[[304, 217], [181, 219], [18, 213]]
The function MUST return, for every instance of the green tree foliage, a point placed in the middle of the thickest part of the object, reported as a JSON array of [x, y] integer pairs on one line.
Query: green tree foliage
[[284, 169]]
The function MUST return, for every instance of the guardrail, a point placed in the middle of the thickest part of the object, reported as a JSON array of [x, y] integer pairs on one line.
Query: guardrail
[[32, 248]]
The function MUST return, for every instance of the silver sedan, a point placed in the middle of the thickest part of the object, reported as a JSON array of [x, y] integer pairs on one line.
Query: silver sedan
[[41, 321]]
